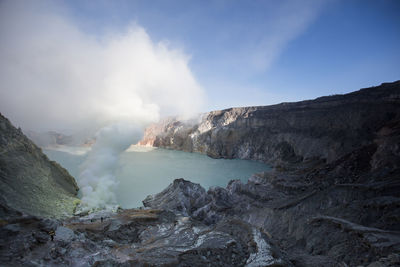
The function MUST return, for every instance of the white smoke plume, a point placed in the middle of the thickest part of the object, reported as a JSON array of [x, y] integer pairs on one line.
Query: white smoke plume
[[54, 76], [97, 179]]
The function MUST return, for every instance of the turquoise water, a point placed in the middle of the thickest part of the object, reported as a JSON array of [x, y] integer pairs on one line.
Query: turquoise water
[[143, 173]]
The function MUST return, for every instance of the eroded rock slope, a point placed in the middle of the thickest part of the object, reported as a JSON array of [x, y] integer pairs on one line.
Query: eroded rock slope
[[135, 238], [29, 181], [325, 128], [33, 188], [333, 198]]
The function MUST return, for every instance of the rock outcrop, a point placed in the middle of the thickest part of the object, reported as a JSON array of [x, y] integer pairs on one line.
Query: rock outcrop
[[37, 229], [331, 200], [135, 238], [182, 196], [333, 197], [319, 214], [29, 181], [326, 128], [338, 214]]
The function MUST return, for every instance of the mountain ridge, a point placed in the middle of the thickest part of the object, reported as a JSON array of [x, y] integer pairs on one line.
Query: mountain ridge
[[326, 128], [29, 181]]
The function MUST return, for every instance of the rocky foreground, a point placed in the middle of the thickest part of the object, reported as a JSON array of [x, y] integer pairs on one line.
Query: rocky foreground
[[37, 226], [333, 198], [135, 238]]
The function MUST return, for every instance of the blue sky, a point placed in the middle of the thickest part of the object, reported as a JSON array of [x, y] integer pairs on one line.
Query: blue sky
[[97, 62], [323, 47]]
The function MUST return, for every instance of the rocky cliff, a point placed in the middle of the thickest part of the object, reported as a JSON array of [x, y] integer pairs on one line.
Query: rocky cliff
[[333, 197], [331, 200], [324, 128], [29, 181], [342, 213], [30, 184]]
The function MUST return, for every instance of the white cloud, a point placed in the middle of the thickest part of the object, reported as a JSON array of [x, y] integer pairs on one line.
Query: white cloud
[[97, 179], [55, 76], [287, 22]]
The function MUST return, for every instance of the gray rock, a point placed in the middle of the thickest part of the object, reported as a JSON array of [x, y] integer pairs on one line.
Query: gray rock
[[326, 128], [64, 234], [332, 199], [181, 196], [161, 238], [29, 181], [336, 158]]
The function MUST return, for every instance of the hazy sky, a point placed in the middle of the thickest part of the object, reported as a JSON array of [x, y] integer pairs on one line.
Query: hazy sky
[[264, 52], [198, 55]]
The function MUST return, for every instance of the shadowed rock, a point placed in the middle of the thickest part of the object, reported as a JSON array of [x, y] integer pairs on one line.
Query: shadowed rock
[[340, 212], [137, 238], [182, 196], [29, 181], [332, 199], [325, 128]]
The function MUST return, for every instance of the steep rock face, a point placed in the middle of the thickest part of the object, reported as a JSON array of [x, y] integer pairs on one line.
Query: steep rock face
[[319, 213], [325, 128], [29, 181]]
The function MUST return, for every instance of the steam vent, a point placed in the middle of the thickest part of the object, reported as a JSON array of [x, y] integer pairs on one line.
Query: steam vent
[[200, 133]]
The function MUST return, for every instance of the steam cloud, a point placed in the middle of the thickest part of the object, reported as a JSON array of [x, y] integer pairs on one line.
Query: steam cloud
[[97, 180], [55, 76]]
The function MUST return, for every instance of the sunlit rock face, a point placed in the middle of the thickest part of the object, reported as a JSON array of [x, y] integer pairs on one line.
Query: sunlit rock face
[[29, 181], [332, 198], [324, 128]]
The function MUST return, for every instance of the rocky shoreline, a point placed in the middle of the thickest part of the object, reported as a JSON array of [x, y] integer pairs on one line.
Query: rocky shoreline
[[333, 197], [331, 200], [325, 128]]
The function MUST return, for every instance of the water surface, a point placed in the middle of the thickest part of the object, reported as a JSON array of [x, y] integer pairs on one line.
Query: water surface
[[144, 172]]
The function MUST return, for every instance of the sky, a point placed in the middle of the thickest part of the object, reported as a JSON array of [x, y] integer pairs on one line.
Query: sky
[[187, 56], [265, 52]]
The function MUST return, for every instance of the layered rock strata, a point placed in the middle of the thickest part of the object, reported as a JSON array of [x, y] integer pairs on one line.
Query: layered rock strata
[[331, 200], [341, 213], [325, 128], [333, 197]]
